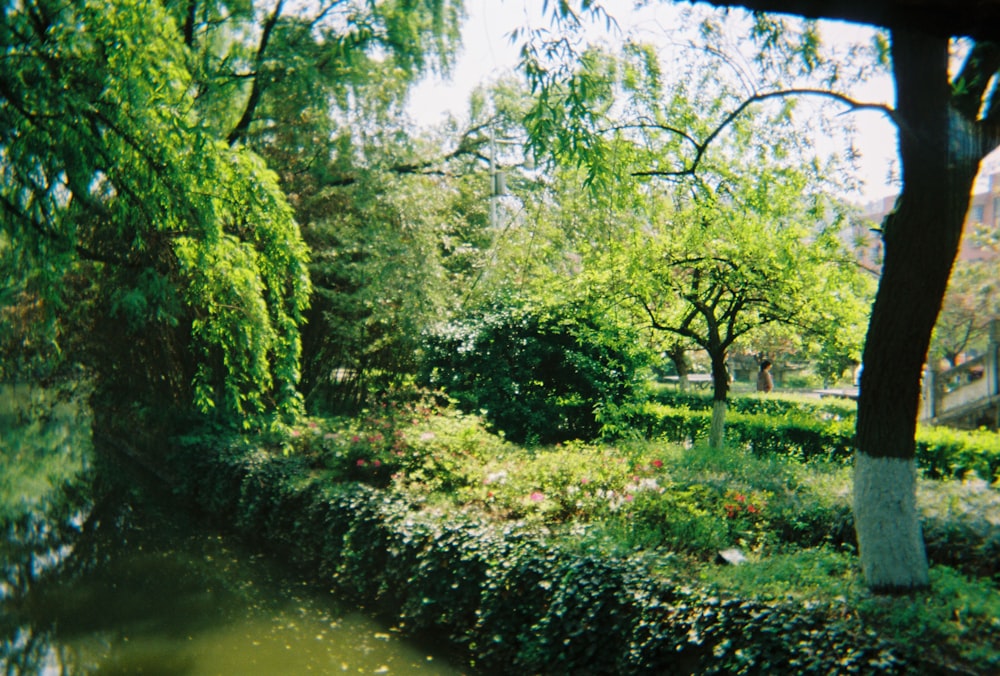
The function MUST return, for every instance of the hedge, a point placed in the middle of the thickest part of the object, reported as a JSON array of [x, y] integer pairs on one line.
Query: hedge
[[811, 433], [507, 599]]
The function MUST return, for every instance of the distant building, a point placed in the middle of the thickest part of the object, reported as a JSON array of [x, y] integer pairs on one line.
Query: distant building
[[984, 212]]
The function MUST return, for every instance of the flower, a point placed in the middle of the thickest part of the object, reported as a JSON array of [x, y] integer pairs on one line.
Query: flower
[[496, 477], [377, 463], [657, 463], [537, 496], [361, 462]]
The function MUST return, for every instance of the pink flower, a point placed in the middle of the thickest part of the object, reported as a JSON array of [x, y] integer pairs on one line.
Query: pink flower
[[377, 463], [355, 439], [361, 462], [752, 509], [584, 480], [537, 497], [657, 464], [629, 498], [296, 433]]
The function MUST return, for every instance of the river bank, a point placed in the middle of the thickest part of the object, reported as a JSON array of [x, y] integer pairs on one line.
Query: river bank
[[106, 570], [510, 597]]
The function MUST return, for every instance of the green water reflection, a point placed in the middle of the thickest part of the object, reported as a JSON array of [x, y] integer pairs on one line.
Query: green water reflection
[[124, 581]]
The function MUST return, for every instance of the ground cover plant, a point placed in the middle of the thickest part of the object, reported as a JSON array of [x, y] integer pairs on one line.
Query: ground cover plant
[[681, 509]]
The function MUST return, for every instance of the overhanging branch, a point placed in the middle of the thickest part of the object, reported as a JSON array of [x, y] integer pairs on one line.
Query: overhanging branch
[[702, 147]]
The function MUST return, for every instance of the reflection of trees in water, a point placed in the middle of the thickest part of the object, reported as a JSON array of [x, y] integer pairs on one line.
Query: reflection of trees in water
[[108, 557], [36, 547], [44, 508]]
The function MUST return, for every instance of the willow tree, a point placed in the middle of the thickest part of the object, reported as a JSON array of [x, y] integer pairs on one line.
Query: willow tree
[[318, 90], [161, 260]]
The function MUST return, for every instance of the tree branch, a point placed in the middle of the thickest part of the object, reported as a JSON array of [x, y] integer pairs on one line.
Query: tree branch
[[702, 147], [257, 87], [942, 18]]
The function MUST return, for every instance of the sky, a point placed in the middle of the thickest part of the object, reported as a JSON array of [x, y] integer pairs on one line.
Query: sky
[[488, 54]]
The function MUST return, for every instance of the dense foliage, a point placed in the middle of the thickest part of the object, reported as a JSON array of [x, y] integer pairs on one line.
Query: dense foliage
[[539, 375], [823, 430], [140, 245], [532, 557]]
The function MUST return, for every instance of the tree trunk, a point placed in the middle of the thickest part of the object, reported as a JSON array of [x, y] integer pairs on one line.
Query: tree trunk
[[921, 241], [678, 355], [720, 389]]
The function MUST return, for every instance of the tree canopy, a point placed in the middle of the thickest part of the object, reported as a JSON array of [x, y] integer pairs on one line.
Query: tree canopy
[[149, 238]]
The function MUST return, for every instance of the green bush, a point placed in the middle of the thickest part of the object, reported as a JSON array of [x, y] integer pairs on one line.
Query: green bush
[[943, 452], [537, 376], [774, 404], [823, 430]]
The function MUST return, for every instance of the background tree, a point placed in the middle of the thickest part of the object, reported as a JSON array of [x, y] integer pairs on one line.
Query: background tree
[[721, 277], [971, 301], [745, 239]]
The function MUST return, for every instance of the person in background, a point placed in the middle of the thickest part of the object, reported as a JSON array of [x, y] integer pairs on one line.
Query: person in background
[[764, 381]]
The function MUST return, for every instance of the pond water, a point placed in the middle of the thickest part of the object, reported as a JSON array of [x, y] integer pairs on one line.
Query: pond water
[[109, 576]]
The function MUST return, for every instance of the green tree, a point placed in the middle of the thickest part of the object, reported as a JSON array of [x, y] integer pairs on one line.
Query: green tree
[[718, 276], [164, 261], [744, 241], [386, 265]]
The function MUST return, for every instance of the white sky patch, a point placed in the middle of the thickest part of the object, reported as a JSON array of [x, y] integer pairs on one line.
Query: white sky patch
[[488, 54]]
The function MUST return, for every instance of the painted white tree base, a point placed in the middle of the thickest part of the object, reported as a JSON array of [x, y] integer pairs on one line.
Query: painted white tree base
[[886, 521]]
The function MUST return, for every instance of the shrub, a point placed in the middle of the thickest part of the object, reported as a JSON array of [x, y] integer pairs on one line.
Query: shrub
[[537, 376]]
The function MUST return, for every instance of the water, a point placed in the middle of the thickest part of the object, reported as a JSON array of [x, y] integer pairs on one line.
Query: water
[[114, 578]]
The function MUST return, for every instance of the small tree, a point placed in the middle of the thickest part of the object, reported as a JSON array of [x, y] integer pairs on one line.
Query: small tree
[[717, 276]]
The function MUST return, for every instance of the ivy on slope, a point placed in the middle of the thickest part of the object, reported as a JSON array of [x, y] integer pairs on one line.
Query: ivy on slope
[[508, 598]]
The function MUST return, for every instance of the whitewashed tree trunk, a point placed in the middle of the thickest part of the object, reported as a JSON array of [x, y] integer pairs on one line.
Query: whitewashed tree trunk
[[890, 540]]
